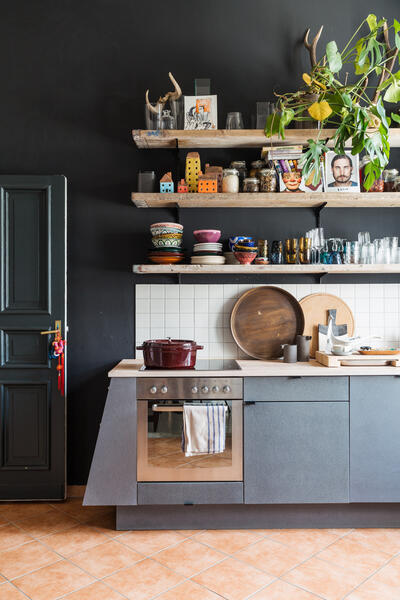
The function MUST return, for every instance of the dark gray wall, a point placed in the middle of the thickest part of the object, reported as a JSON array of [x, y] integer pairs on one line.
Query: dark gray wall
[[73, 78]]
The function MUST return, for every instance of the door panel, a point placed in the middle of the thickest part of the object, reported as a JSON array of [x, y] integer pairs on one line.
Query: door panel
[[32, 297], [296, 452], [375, 439]]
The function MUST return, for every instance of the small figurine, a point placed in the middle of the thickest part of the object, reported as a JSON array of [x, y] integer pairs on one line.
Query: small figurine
[[208, 183], [218, 172], [167, 184], [182, 187], [193, 168]]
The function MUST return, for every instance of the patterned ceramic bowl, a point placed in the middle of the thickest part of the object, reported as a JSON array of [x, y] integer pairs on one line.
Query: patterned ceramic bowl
[[245, 258], [164, 236], [164, 230], [240, 238], [168, 242]]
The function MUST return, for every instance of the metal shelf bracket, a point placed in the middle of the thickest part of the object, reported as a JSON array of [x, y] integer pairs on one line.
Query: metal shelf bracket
[[317, 212]]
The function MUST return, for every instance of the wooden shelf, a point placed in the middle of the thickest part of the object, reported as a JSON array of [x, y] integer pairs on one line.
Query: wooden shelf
[[230, 138], [264, 200], [264, 269]]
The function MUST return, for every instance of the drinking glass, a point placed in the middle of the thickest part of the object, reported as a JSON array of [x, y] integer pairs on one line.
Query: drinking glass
[[153, 120], [364, 237], [234, 120], [319, 241], [178, 112], [264, 109]]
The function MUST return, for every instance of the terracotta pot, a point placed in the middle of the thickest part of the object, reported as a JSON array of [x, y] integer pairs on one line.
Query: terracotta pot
[[169, 354]]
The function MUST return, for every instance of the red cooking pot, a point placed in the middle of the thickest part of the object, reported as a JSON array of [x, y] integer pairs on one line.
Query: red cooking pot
[[169, 354]]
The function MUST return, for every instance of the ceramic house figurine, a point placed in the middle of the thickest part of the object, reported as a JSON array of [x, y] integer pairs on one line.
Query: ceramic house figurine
[[166, 183], [182, 187], [218, 172], [208, 183], [192, 171]]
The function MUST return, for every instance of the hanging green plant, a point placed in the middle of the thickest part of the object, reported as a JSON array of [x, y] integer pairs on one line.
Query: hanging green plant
[[346, 108]]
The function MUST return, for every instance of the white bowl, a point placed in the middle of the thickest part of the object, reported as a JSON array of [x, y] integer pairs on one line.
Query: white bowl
[[208, 260]]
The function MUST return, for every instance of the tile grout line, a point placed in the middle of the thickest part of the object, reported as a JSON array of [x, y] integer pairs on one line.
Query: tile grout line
[[372, 574]]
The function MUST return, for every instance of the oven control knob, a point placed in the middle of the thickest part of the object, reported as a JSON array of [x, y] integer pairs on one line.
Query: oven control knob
[[153, 390], [215, 389], [226, 389], [164, 389], [204, 389], [195, 389]]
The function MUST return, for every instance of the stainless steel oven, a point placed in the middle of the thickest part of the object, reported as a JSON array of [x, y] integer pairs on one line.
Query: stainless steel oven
[[159, 429]]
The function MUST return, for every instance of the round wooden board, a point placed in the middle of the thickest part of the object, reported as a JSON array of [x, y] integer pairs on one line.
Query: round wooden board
[[263, 319], [315, 308]]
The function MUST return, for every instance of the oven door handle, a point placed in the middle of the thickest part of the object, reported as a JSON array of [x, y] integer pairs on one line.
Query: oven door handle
[[249, 402]]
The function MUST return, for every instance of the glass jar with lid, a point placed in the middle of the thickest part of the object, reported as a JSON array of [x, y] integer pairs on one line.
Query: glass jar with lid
[[230, 181], [251, 185], [240, 165], [389, 177], [256, 167], [268, 181]]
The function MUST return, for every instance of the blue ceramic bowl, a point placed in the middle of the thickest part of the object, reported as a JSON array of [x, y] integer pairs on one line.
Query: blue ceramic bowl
[[241, 238]]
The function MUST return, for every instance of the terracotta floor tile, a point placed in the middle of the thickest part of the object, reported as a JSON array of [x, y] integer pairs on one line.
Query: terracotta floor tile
[[349, 552], [144, 580], [189, 591], [75, 508], [272, 557], [12, 536], [96, 591], [9, 592], [228, 541], [104, 559], [389, 574], [323, 578], [233, 580], [105, 524], [22, 510], [51, 582], [26, 558], [189, 532], [3, 521], [71, 541], [308, 540], [148, 542], [386, 540], [188, 557], [280, 590], [373, 590], [46, 524]]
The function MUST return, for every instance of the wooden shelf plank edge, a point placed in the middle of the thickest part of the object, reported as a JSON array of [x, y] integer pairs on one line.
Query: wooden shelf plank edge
[[265, 269]]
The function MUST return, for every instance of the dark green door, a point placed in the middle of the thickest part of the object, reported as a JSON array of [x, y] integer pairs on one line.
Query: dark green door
[[32, 297]]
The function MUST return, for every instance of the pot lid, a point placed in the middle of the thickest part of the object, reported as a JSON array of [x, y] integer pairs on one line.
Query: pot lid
[[168, 342]]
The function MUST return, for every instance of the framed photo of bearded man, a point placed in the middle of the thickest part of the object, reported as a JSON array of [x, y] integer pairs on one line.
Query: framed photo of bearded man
[[341, 172]]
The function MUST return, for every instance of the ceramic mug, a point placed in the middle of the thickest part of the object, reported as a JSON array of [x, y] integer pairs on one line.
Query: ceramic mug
[[289, 353]]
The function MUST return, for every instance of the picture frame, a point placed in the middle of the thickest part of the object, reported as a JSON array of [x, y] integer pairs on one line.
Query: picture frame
[[291, 181], [200, 112], [342, 172]]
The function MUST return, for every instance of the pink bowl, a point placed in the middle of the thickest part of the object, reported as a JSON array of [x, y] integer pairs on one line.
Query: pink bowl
[[245, 258], [207, 235]]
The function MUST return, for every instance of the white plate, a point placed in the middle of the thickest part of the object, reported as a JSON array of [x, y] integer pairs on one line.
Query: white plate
[[208, 260], [207, 246]]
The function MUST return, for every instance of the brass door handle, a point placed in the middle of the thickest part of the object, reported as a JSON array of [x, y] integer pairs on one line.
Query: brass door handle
[[57, 325]]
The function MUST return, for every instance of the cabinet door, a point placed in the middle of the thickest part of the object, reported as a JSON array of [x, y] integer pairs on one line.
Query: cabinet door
[[375, 439], [296, 452]]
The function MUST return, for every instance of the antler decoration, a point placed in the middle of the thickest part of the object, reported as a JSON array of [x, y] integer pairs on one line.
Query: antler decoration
[[177, 93], [312, 48], [391, 54]]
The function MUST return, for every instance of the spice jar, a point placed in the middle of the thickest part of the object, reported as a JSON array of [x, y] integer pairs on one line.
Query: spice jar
[[256, 167], [240, 165], [251, 184], [389, 176], [230, 181], [267, 180]]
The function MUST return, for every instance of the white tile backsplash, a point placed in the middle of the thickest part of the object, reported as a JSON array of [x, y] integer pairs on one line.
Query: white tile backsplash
[[202, 312]]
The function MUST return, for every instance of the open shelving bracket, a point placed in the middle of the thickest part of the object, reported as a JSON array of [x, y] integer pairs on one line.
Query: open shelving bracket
[[317, 212]]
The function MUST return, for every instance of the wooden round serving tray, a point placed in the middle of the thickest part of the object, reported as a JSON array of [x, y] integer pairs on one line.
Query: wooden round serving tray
[[263, 319], [315, 308]]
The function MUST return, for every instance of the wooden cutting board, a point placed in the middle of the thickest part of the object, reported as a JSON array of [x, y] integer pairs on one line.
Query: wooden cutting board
[[263, 319], [316, 307], [331, 360]]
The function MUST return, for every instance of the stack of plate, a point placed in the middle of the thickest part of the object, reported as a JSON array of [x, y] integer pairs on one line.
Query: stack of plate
[[167, 243], [208, 253]]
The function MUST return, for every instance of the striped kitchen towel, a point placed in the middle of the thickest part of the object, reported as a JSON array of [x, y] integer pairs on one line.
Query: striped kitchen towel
[[203, 429]]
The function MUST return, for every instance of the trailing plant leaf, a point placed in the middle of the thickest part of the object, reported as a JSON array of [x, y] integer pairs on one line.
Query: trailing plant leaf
[[320, 110], [392, 93], [307, 78], [395, 118], [333, 56], [371, 20]]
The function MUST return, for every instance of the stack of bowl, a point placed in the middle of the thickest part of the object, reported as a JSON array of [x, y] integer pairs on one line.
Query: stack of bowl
[[207, 251], [244, 249], [167, 243]]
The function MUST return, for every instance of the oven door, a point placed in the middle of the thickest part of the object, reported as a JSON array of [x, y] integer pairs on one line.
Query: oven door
[[159, 440]]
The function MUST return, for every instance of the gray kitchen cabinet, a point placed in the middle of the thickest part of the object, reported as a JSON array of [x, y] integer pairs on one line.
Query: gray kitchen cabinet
[[375, 439], [296, 452], [297, 389], [210, 492]]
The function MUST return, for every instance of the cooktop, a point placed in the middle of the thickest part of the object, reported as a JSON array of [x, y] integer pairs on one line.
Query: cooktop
[[211, 364]]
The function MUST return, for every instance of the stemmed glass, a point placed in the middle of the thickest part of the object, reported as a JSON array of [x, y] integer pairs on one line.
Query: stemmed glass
[[319, 241]]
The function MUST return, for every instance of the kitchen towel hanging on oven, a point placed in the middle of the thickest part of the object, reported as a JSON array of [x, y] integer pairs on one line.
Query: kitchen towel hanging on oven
[[203, 429]]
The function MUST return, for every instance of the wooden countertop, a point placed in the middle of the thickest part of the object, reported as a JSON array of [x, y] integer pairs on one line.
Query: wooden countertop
[[253, 368]]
